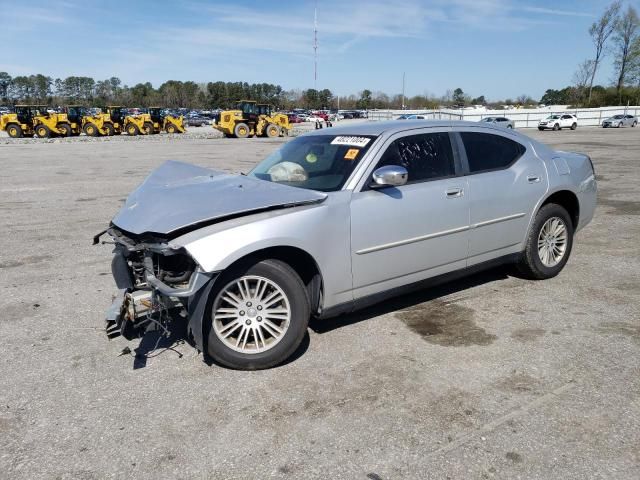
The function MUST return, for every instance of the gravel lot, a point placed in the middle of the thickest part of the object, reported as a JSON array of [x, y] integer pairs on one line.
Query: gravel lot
[[490, 377]]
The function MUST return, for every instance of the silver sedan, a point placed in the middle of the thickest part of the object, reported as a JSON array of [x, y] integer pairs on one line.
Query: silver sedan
[[336, 220], [499, 121], [620, 121]]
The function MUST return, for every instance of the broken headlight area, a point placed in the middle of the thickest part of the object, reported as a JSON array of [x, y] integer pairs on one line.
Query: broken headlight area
[[153, 278]]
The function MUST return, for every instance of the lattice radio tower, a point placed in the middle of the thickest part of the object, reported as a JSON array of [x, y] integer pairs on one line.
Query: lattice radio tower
[[315, 46]]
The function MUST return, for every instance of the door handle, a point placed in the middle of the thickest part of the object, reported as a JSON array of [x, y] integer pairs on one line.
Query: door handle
[[533, 179], [454, 193]]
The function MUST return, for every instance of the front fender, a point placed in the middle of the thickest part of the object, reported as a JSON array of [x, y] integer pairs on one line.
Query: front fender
[[322, 230]]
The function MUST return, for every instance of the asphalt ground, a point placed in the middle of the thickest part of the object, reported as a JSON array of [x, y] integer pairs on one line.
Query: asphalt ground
[[489, 377]]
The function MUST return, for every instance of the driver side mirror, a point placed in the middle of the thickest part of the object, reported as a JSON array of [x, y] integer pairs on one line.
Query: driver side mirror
[[389, 176]]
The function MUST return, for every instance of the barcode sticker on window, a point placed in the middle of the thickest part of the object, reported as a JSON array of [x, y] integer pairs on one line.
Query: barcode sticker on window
[[352, 141]]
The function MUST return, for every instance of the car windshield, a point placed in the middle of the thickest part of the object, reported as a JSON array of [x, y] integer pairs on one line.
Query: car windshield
[[314, 162], [488, 119], [618, 116], [554, 117]]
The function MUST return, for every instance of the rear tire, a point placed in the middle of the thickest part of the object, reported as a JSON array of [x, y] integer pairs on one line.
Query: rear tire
[[248, 316], [42, 131], [148, 128], [544, 257], [90, 130], [108, 128], [132, 130], [574, 126], [241, 130], [14, 131], [65, 130]]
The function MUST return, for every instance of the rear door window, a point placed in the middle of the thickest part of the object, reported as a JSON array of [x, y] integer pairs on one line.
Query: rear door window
[[486, 152]]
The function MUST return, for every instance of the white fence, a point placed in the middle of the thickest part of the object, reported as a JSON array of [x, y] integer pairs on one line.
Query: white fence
[[523, 118]]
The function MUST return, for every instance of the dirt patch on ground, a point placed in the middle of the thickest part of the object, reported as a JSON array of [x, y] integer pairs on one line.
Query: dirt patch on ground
[[446, 324], [528, 334], [517, 382], [33, 259], [620, 328], [621, 207]]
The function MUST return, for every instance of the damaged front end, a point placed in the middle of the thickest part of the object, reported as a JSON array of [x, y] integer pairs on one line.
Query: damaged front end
[[155, 280]]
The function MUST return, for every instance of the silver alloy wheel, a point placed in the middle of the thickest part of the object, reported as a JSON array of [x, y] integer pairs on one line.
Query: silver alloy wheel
[[251, 314], [552, 242]]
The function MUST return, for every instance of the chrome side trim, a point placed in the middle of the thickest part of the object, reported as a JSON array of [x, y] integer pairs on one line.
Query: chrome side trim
[[410, 240], [421, 238], [498, 220]]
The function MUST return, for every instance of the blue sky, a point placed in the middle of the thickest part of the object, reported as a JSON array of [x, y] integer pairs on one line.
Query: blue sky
[[496, 48]]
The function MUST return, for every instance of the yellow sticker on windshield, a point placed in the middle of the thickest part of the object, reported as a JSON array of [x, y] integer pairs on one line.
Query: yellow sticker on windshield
[[311, 157], [351, 154]]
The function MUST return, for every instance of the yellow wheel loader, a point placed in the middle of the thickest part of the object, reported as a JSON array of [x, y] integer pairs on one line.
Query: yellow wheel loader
[[251, 119], [163, 121], [140, 124], [92, 124], [35, 119], [279, 119]]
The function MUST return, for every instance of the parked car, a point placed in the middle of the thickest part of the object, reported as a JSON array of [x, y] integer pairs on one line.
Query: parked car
[[293, 118], [336, 220], [499, 121], [620, 121], [558, 122], [196, 121], [408, 116]]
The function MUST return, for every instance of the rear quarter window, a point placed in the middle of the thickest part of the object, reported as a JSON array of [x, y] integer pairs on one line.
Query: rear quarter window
[[486, 152]]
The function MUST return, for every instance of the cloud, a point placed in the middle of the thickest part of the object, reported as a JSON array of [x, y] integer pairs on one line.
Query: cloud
[[552, 11]]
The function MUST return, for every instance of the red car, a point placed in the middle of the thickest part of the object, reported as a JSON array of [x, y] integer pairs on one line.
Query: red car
[[295, 119], [321, 115]]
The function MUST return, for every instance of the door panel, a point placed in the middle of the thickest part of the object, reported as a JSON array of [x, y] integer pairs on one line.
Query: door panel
[[402, 235], [501, 205]]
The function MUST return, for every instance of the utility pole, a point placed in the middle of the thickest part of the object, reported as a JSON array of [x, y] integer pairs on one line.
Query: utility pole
[[315, 47]]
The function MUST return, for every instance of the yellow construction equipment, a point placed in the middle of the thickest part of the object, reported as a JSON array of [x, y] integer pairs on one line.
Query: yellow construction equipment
[[280, 119], [35, 119], [250, 119], [92, 124], [164, 121], [122, 121]]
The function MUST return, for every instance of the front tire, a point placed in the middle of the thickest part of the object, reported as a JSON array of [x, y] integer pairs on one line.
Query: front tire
[[556, 127], [257, 316], [241, 130], [272, 130], [548, 244]]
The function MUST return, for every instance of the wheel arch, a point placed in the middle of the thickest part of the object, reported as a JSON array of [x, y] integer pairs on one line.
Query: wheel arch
[[566, 199], [299, 260]]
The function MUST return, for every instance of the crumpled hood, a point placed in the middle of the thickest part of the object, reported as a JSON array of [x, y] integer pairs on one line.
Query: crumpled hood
[[179, 195]]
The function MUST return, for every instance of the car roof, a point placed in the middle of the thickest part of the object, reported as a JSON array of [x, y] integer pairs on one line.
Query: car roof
[[392, 126]]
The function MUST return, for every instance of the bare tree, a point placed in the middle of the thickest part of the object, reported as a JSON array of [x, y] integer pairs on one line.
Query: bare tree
[[625, 39], [582, 76], [600, 32]]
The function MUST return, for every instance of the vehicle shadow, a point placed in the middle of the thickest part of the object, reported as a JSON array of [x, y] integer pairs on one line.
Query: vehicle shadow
[[408, 300], [155, 342]]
